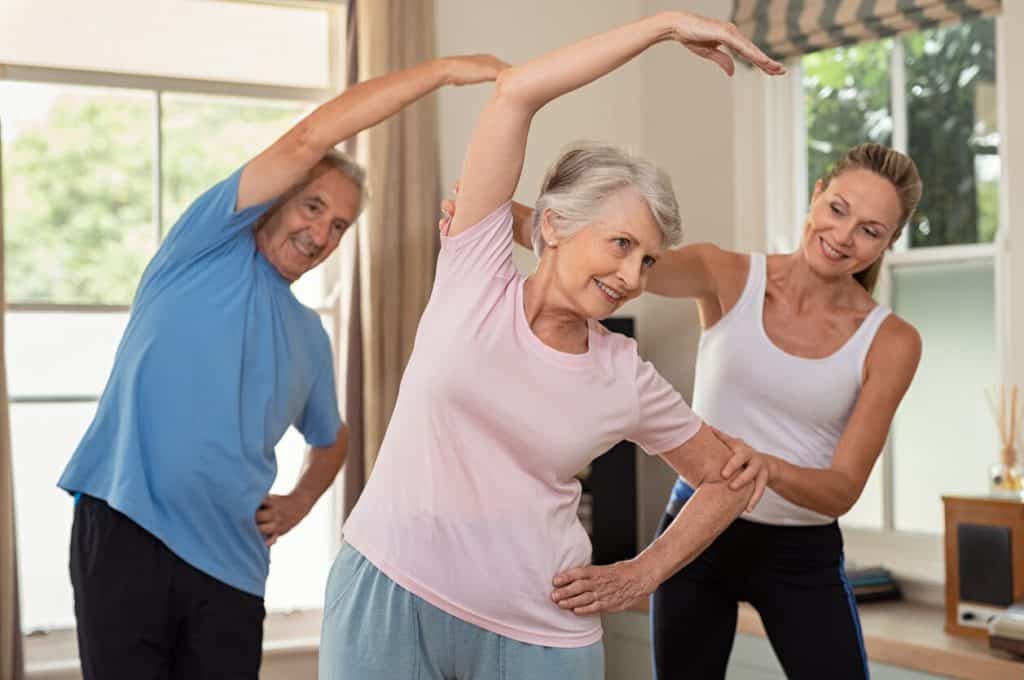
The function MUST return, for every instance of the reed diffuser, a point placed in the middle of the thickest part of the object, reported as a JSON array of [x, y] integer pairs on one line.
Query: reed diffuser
[[1006, 478]]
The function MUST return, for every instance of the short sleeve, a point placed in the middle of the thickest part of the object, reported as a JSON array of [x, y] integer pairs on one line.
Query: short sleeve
[[478, 254], [665, 421], [319, 420], [208, 222]]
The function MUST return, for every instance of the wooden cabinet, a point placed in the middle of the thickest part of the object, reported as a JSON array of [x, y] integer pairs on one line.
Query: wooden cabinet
[[984, 554]]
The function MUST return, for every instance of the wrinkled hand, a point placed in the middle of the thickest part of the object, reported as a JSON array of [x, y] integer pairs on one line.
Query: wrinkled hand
[[751, 464], [277, 515], [467, 69], [610, 588], [705, 38]]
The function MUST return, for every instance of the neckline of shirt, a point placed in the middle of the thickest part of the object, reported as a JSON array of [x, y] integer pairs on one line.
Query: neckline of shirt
[[544, 351], [759, 302]]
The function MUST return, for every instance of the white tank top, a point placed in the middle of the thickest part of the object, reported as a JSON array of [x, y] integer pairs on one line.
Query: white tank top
[[790, 407]]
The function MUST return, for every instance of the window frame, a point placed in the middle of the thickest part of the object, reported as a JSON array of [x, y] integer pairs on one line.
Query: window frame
[[332, 305]]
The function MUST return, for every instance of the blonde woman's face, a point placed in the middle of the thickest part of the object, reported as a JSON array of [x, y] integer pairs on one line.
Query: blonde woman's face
[[605, 264], [851, 223]]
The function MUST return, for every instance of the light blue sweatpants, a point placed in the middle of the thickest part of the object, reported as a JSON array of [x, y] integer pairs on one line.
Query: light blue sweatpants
[[374, 629]]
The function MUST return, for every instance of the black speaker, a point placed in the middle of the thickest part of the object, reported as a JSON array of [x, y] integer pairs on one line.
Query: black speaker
[[608, 503], [986, 564]]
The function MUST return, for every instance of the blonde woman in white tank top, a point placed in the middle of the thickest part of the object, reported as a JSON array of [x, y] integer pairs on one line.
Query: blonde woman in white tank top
[[800, 367]]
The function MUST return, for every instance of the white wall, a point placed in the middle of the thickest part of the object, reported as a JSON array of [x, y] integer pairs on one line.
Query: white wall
[[667, 105], [1010, 43]]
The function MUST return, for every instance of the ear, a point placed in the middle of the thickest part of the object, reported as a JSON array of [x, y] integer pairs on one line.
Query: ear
[[549, 227], [818, 188]]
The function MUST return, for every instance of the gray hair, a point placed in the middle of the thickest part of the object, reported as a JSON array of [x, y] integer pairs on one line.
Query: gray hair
[[587, 173], [350, 167], [337, 160]]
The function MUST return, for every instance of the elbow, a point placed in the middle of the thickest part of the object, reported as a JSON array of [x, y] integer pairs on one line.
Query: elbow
[[843, 503], [513, 87], [304, 143], [843, 507]]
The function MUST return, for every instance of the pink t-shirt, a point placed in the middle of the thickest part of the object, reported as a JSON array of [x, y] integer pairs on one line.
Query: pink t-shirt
[[472, 501]]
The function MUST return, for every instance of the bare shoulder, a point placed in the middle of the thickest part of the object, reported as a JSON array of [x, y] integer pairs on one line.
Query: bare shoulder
[[896, 334], [896, 350], [716, 256], [720, 264]]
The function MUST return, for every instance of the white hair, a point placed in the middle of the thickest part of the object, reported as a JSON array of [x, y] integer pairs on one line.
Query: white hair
[[587, 174], [351, 168]]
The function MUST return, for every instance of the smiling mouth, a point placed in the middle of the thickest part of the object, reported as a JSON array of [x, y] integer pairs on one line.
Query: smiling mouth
[[610, 293], [304, 250], [830, 252]]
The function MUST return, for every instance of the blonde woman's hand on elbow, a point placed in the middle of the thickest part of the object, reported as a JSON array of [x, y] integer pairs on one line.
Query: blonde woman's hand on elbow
[[746, 466]]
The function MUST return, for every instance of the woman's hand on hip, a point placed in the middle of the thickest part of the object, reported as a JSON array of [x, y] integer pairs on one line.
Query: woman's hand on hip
[[611, 588], [747, 465]]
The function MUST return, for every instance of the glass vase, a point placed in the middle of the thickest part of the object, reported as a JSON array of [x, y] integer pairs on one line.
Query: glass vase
[[1006, 478]]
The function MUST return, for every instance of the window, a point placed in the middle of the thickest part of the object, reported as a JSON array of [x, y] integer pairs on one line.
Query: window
[[100, 158], [195, 39], [932, 94]]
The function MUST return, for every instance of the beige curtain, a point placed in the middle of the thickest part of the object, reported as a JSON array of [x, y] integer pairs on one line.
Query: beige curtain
[[11, 659], [355, 465], [397, 240]]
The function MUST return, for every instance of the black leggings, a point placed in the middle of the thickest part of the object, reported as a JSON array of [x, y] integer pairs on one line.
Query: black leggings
[[794, 578]]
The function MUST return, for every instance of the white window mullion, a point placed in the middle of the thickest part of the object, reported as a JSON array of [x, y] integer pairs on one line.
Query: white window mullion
[[800, 199], [158, 164], [898, 106], [1003, 253], [900, 135]]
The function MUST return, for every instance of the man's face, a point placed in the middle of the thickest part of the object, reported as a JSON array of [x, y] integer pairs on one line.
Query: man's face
[[307, 228]]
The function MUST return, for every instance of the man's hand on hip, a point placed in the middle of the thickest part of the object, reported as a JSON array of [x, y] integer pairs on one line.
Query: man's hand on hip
[[277, 515]]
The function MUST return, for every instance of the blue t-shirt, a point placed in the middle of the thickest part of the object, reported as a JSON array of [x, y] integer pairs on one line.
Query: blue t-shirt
[[217, 360]]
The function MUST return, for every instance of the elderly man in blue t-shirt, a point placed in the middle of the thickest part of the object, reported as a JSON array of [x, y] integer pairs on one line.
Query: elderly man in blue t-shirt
[[173, 520]]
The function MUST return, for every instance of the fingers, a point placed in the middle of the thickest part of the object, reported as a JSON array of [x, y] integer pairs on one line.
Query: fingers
[[750, 52], [749, 474], [583, 600], [567, 577], [447, 211], [601, 605], [738, 461], [759, 486], [739, 43], [709, 35], [574, 589], [591, 609], [266, 521], [715, 55]]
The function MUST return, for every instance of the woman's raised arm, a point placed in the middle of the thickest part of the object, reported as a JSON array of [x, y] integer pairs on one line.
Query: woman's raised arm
[[496, 149]]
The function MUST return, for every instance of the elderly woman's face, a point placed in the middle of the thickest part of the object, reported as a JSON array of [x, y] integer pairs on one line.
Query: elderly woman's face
[[605, 264]]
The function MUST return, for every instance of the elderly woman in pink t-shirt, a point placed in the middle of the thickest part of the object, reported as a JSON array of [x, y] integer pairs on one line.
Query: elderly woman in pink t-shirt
[[513, 386]]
